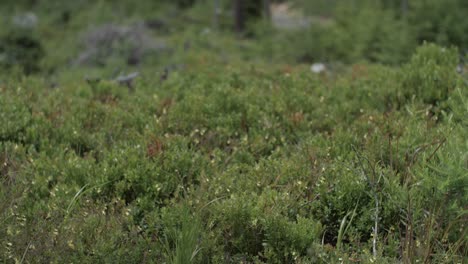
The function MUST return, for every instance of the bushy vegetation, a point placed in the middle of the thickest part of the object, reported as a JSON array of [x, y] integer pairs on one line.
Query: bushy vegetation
[[229, 150], [21, 49], [381, 31]]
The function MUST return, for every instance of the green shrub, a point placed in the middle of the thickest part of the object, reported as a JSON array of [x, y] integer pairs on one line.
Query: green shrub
[[439, 22], [357, 32], [430, 76], [15, 117], [380, 31], [21, 48]]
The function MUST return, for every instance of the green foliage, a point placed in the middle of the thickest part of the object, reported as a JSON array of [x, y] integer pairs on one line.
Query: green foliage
[[367, 32], [182, 3], [221, 153], [182, 235], [430, 75], [379, 31], [15, 116], [21, 48], [248, 165], [440, 22]]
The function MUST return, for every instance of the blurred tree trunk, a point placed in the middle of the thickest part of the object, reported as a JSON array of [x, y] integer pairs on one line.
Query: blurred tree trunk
[[239, 16], [404, 7], [217, 14], [245, 10], [266, 9]]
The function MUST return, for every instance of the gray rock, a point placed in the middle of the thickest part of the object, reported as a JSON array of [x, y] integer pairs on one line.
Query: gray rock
[[127, 79], [132, 43], [27, 20]]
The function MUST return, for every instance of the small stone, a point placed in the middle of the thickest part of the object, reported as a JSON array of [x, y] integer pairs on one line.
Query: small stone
[[318, 67], [27, 20]]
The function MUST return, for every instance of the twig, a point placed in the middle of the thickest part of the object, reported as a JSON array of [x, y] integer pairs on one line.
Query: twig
[[212, 201], [437, 148], [26, 251], [376, 225]]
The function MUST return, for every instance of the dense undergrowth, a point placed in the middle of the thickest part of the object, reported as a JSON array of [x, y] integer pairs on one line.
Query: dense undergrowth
[[227, 148], [257, 164]]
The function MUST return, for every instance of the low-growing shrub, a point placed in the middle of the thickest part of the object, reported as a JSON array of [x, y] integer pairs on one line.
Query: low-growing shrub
[[430, 75], [238, 164], [15, 117]]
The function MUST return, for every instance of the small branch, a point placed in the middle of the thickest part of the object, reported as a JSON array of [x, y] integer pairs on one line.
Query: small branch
[[376, 225], [25, 252], [437, 148], [390, 149]]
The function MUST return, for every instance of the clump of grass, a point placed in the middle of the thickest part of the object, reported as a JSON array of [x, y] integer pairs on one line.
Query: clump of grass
[[182, 241]]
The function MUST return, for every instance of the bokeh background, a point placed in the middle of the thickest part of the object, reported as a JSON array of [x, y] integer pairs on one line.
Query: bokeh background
[[50, 36]]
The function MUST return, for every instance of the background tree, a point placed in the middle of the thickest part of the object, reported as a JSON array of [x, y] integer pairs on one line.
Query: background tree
[[246, 11]]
